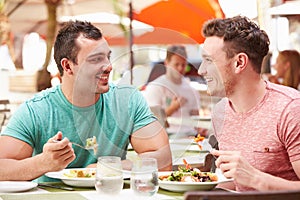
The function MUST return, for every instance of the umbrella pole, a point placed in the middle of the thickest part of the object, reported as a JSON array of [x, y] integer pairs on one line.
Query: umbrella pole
[[131, 42]]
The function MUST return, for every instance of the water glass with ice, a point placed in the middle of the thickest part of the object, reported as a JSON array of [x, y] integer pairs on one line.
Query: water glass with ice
[[144, 177], [109, 175]]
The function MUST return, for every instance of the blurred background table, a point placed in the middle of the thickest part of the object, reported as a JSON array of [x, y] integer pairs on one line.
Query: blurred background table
[[191, 121]]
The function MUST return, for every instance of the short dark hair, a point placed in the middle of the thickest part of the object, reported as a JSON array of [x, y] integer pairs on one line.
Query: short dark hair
[[240, 34], [65, 45], [176, 50]]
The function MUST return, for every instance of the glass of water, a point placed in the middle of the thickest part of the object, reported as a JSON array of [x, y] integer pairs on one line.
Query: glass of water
[[109, 175], [144, 177]]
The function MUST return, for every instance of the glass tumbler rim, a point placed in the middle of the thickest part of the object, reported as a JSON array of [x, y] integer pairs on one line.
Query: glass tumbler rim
[[108, 157]]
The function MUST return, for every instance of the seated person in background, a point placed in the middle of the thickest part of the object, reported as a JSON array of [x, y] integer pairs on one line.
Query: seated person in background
[[288, 69], [257, 123], [38, 136], [172, 91]]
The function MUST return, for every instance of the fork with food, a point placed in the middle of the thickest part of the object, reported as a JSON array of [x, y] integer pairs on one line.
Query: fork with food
[[91, 144]]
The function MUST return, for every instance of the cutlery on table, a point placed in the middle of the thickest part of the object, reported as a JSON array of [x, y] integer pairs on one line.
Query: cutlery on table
[[42, 185]]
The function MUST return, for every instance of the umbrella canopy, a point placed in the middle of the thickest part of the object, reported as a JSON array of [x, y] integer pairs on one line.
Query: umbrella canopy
[[143, 34], [27, 16], [109, 24], [184, 16], [150, 36]]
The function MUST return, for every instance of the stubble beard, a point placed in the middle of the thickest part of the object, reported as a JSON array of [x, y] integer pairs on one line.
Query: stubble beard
[[229, 84]]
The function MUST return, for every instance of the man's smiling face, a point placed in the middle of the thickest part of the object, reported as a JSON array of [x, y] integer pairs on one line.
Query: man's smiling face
[[94, 67]]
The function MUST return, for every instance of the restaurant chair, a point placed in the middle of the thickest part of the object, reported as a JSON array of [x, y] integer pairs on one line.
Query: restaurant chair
[[249, 195], [4, 112], [4, 106], [212, 140], [157, 70], [2, 120], [208, 164]]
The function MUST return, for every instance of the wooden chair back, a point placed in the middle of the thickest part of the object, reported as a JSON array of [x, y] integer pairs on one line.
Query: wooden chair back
[[249, 195], [4, 110], [4, 105], [2, 120]]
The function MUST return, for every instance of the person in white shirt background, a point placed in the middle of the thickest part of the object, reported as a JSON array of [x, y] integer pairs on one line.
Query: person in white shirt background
[[172, 92]]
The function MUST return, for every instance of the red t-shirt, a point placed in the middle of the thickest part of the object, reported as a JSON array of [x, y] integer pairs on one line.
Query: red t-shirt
[[268, 135]]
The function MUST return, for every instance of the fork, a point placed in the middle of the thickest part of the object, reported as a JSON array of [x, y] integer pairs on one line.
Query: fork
[[86, 148]]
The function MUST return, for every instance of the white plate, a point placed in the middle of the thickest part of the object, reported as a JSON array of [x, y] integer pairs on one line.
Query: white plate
[[191, 147], [77, 182], [190, 186], [16, 186]]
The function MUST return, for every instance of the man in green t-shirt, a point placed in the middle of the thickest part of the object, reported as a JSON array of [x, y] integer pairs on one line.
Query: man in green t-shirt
[[39, 136]]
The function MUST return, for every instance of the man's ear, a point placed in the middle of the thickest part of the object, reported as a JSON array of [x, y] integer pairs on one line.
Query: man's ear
[[287, 65], [241, 62], [65, 63], [166, 62]]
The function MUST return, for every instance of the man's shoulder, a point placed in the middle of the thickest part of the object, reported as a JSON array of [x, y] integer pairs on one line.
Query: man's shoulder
[[44, 94], [159, 80], [121, 87], [120, 91], [284, 91]]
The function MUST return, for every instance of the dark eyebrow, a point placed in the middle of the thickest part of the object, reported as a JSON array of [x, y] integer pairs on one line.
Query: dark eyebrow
[[98, 54], [205, 55]]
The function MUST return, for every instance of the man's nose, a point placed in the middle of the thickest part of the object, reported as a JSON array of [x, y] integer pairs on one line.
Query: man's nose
[[107, 67], [202, 69]]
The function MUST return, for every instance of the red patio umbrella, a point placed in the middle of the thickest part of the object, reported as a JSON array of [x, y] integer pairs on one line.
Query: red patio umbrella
[[152, 36], [184, 16], [175, 21]]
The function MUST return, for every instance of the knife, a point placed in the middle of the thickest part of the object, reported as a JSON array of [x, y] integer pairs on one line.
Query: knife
[[56, 186]]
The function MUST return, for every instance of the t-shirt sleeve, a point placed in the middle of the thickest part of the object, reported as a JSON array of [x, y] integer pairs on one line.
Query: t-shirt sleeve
[[290, 129], [140, 111], [21, 125]]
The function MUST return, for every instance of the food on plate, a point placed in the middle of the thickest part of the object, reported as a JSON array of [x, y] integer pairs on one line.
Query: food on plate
[[91, 143], [198, 139], [189, 174], [80, 173]]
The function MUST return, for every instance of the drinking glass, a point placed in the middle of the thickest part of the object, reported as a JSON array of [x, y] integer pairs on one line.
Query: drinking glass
[[144, 177], [109, 175]]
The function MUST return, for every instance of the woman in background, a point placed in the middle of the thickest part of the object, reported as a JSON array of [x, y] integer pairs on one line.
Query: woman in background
[[288, 69]]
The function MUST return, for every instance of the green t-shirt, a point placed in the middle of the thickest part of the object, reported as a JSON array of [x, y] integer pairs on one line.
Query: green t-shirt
[[117, 114]]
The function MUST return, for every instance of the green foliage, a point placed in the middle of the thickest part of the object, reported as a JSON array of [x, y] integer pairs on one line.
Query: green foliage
[[119, 11], [2, 5]]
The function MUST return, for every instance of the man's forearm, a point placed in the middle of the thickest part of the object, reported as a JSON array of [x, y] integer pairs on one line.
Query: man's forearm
[[21, 170], [170, 110], [265, 182]]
